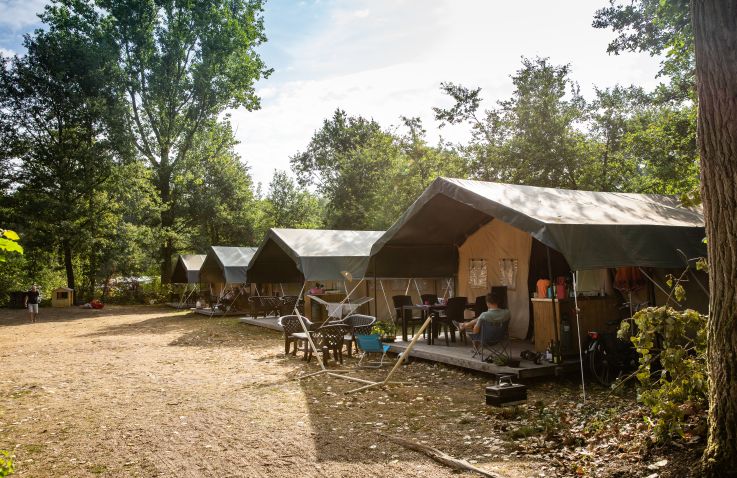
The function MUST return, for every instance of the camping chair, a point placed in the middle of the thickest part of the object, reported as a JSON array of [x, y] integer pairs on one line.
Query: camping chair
[[370, 344], [329, 338], [401, 300], [360, 325], [494, 338]]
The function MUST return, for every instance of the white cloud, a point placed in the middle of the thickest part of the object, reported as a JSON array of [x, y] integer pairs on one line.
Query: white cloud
[[391, 60], [16, 14], [5, 52]]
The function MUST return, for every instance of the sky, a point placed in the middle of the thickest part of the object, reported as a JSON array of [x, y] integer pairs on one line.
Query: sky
[[384, 59]]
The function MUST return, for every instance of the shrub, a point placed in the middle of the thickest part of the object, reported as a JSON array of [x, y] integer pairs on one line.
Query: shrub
[[672, 374], [6, 464]]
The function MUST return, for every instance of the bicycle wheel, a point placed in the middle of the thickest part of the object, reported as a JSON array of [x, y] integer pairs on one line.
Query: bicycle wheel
[[599, 366]]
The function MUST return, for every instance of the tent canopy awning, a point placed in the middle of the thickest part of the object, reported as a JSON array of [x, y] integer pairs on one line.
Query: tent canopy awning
[[591, 229], [187, 269], [226, 265], [294, 255]]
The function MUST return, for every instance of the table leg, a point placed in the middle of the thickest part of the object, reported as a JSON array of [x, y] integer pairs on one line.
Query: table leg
[[404, 324]]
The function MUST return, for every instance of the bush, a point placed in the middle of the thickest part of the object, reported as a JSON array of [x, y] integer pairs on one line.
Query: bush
[[6, 464], [672, 372]]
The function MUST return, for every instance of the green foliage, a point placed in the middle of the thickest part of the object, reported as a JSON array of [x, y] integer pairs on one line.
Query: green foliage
[[547, 134], [384, 329], [212, 194], [366, 175], [183, 64], [677, 389], [9, 243], [287, 205], [6, 464], [658, 27]]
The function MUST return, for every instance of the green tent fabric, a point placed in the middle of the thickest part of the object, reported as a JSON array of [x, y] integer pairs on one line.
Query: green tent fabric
[[295, 255], [187, 269], [226, 265], [590, 229]]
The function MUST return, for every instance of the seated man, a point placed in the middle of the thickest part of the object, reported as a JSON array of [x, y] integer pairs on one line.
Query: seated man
[[494, 315]]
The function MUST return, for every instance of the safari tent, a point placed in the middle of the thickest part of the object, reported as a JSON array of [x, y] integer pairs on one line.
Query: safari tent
[[456, 225], [187, 269], [226, 265], [298, 255], [187, 273]]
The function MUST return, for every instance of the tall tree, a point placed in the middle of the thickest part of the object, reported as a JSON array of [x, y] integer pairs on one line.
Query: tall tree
[[715, 31], [348, 160], [61, 101], [185, 62], [215, 204], [531, 138], [287, 205]]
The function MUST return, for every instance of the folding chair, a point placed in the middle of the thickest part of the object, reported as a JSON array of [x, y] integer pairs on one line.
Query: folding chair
[[370, 344], [494, 338]]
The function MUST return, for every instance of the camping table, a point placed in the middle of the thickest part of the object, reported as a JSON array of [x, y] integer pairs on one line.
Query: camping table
[[425, 309]]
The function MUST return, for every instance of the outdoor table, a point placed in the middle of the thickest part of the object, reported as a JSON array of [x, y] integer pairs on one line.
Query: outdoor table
[[425, 309]]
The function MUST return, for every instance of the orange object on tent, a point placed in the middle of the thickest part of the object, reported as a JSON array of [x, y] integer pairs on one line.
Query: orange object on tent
[[629, 279]]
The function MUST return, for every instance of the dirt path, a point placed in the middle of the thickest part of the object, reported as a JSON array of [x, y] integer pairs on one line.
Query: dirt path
[[148, 391]]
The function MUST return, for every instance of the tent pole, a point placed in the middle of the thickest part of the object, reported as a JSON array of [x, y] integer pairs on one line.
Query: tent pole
[[578, 332], [376, 303], [668, 295], [556, 323], [386, 299]]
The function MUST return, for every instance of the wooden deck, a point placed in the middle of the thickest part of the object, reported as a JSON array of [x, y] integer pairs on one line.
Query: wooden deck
[[458, 355], [217, 313], [265, 322]]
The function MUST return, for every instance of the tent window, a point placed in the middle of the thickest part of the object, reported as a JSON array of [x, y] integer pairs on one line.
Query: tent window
[[508, 273], [477, 273]]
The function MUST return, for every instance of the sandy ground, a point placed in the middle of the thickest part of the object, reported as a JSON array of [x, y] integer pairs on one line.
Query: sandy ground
[[149, 391]]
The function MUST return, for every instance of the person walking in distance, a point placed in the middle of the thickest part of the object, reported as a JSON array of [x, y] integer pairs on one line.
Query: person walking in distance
[[32, 299]]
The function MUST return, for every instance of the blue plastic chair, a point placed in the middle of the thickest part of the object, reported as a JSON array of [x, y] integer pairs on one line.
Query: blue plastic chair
[[370, 344]]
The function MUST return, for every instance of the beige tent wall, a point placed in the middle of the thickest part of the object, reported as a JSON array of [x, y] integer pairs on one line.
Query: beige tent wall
[[498, 240]]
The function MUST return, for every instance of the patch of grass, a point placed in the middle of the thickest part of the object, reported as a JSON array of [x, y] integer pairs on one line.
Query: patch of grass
[[98, 469], [32, 448]]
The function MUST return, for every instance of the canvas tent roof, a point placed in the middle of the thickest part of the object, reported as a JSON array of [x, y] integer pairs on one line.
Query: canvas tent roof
[[591, 229], [294, 255], [187, 269], [226, 265]]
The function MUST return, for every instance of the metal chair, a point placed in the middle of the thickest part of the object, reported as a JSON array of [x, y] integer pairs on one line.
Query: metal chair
[[360, 325], [494, 338], [370, 344]]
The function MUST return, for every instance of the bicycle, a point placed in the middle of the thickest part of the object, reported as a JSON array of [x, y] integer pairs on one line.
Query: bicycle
[[608, 356]]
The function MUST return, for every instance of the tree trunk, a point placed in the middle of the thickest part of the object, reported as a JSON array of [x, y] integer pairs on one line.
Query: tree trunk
[[167, 217], [68, 265], [715, 32]]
